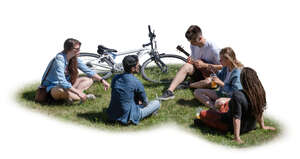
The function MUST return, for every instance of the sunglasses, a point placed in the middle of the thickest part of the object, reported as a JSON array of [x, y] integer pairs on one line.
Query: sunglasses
[[77, 49]]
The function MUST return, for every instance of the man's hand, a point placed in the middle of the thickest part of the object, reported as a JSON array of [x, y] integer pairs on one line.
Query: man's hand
[[189, 60], [200, 64]]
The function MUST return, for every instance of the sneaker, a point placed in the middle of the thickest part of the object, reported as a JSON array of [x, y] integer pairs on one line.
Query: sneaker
[[91, 96], [167, 95], [183, 85]]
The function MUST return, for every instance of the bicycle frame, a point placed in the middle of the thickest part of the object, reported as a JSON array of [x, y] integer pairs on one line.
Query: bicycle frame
[[110, 57]]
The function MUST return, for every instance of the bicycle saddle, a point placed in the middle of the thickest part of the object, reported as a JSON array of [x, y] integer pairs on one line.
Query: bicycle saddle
[[102, 49]]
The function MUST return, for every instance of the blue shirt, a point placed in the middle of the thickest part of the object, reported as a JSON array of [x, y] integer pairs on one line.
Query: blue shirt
[[58, 75], [126, 90], [232, 84]]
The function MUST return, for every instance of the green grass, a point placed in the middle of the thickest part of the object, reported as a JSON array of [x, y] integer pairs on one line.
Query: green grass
[[181, 110]]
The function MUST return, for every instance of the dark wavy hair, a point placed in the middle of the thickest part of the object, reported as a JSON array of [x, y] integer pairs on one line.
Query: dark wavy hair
[[73, 65], [254, 91], [192, 32]]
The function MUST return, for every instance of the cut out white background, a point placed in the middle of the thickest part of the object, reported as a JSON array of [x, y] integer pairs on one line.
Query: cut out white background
[[264, 35]]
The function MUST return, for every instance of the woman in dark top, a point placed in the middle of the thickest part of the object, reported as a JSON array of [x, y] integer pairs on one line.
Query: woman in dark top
[[246, 107]]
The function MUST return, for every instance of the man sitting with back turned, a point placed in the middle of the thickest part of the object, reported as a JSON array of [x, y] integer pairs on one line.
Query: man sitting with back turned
[[129, 102]]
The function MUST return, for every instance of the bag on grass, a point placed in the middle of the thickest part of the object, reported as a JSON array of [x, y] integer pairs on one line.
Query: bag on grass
[[41, 95]]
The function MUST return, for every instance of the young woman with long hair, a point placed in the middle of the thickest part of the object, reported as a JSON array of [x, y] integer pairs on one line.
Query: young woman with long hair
[[228, 80], [61, 76], [246, 107]]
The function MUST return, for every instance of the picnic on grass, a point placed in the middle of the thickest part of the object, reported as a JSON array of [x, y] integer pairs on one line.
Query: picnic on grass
[[232, 93]]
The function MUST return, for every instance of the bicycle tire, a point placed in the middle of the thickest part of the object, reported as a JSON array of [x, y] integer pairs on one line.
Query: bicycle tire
[[103, 68], [151, 72]]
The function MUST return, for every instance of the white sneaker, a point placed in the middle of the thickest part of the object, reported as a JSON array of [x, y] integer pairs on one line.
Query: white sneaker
[[91, 96]]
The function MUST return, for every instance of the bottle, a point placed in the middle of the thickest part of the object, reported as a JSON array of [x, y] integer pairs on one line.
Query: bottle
[[213, 83], [198, 111]]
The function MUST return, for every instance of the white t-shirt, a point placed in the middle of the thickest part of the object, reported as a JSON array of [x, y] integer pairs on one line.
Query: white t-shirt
[[209, 53]]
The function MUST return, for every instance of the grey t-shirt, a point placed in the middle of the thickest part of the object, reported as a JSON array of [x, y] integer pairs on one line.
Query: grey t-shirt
[[209, 53]]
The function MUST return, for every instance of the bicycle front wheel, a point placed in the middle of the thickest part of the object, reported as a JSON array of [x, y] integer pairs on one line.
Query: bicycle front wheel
[[163, 70], [93, 61]]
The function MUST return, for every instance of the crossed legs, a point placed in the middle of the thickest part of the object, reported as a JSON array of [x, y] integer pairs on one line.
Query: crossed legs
[[81, 84]]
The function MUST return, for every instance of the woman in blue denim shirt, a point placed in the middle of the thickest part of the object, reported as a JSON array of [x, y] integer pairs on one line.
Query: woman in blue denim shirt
[[62, 81], [228, 80]]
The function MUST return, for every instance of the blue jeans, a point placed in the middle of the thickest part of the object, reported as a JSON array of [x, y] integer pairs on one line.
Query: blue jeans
[[152, 107]]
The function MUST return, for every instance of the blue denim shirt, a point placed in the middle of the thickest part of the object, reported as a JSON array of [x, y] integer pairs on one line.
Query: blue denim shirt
[[126, 89], [233, 83], [57, 75]]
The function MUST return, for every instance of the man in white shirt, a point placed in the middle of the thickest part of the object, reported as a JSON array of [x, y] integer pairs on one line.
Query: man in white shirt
[[204, 57]]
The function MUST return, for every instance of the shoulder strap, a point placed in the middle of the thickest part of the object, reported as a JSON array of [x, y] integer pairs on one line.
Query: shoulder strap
[[47, 72]]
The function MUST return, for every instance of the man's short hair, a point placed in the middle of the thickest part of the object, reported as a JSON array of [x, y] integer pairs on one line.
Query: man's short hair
[[192, 32], [129, 62]]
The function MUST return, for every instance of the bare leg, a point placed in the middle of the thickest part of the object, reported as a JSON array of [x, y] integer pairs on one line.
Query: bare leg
[[206, 96], [83, 83], [186, 69], [60, 94], [201, 84]]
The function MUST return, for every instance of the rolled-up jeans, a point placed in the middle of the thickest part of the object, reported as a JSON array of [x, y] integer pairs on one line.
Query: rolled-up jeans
[[152, 107]]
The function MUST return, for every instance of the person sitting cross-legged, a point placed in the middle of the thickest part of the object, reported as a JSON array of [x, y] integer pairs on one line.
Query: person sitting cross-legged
[[61, 77], [129, 102]]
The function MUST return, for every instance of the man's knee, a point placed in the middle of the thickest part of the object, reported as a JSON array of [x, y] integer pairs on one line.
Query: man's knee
[[188, 68]]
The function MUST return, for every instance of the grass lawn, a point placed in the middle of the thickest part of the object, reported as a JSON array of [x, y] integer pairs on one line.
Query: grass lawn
[[180, 110]]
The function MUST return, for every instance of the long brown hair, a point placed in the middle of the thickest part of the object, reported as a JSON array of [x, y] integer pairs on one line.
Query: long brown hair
[[254, 90], [229, 54], [72, 66]]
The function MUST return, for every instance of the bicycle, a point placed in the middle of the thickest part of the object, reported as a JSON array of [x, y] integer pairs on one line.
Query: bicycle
[[159, 68]]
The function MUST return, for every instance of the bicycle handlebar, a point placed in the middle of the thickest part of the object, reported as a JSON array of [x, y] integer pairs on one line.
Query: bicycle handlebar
[[151, 36], [149, 28]]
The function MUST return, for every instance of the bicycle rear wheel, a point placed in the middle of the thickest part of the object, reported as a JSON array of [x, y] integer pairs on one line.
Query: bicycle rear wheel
[[93, 61], [152, 72]]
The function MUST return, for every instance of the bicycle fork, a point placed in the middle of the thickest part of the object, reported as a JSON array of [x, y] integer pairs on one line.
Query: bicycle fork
[[163, 67]]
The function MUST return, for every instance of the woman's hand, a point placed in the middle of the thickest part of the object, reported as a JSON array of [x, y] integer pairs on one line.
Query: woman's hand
[[106, 85], [218, 81], [268, 128], [239, 140], [82, 96]]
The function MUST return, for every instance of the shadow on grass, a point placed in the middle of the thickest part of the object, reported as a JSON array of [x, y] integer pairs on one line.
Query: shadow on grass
[[205, 130], [30, 95], [191, 103], [154, 85], [97, 117]]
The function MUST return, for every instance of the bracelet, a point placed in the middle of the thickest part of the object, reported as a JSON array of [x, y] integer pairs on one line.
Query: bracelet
[[101, 80]]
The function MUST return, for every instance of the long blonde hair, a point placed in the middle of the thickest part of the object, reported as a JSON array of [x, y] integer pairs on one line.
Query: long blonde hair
[[229, 54]]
